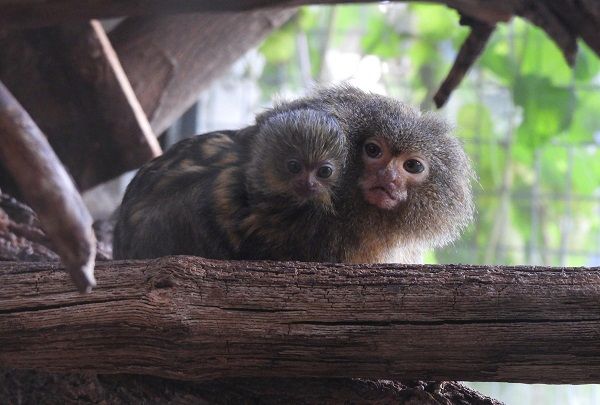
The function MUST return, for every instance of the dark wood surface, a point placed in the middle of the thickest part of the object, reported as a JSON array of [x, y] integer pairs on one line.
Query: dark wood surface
[[70, 81], [170, 59], [31, 387], [22, 239], [193, 319]]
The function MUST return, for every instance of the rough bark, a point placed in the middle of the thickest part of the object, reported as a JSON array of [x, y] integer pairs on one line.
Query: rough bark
[[170, 59], [69, 79], [22, 239], [29, 387], [192, 319], [47, 187], [21, 236]]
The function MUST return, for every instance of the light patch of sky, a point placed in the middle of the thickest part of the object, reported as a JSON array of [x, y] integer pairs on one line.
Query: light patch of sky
[[364, 72]]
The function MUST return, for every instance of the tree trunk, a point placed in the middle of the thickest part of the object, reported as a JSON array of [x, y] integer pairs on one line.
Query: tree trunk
[[193, 319]]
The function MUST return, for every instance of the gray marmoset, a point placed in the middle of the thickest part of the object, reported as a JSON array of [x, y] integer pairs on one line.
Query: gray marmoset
[[407, 186], [402, 185], [259, 192]]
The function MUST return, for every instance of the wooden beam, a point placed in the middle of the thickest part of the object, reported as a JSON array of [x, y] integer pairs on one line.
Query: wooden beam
[[71, 82], [191, 319], [47, 187], [170, 59], [36, 13]]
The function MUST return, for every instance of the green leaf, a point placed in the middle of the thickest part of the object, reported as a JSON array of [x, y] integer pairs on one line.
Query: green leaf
[[587, 64], [586, 120], [547, 109], [309, 18], [497, 60], [475, 124], [586, 171], [435, 22], [280, 46], [541, 57], [381, 39]]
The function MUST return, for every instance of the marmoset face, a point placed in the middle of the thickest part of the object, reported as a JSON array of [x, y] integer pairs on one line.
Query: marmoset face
[[387, 175], [299, 156]]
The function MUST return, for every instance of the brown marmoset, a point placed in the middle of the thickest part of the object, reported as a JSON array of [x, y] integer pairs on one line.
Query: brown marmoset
[[259, 192], [400, 184]]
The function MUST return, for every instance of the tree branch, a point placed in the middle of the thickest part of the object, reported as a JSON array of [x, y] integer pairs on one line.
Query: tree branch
[[47, 187], [467, 55], [191, 319], [16, 387], [541, 15]]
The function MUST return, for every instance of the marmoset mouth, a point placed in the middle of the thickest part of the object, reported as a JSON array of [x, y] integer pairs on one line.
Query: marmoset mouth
[[379, 188], [383, 198]]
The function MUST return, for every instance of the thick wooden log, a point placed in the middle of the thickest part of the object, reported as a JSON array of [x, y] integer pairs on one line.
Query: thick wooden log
[[71, 82], [191, 319], [170, 59], [21, 239], [35, 13], [49, 190]]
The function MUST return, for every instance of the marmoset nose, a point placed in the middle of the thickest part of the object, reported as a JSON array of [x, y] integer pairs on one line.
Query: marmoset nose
[[390, 175], [306, 186]]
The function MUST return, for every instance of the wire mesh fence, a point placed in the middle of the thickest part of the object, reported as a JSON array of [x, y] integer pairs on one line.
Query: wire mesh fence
[[537, 201]]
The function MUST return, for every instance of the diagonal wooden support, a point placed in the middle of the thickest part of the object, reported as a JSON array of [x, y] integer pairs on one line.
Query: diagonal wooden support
[[191, 319], [170, 59], [71, 82], [47, 187]]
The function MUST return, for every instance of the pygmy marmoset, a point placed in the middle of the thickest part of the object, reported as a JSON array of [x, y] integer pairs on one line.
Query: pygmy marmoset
[[400, 183], [259, 192], [407, 184]]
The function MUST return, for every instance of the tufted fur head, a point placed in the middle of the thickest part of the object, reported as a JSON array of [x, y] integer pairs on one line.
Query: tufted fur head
[[297, 157], [434, 211]]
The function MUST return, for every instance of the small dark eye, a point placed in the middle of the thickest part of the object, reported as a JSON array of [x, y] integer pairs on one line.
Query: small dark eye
[[373, 150], [294, 166], [413, 166], [325, 171]]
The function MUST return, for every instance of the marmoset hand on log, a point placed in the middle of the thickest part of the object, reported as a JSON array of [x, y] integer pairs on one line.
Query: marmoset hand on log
[[402, 185]]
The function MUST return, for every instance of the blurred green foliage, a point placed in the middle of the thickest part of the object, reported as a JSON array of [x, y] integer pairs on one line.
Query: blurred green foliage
[[529, 122]]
